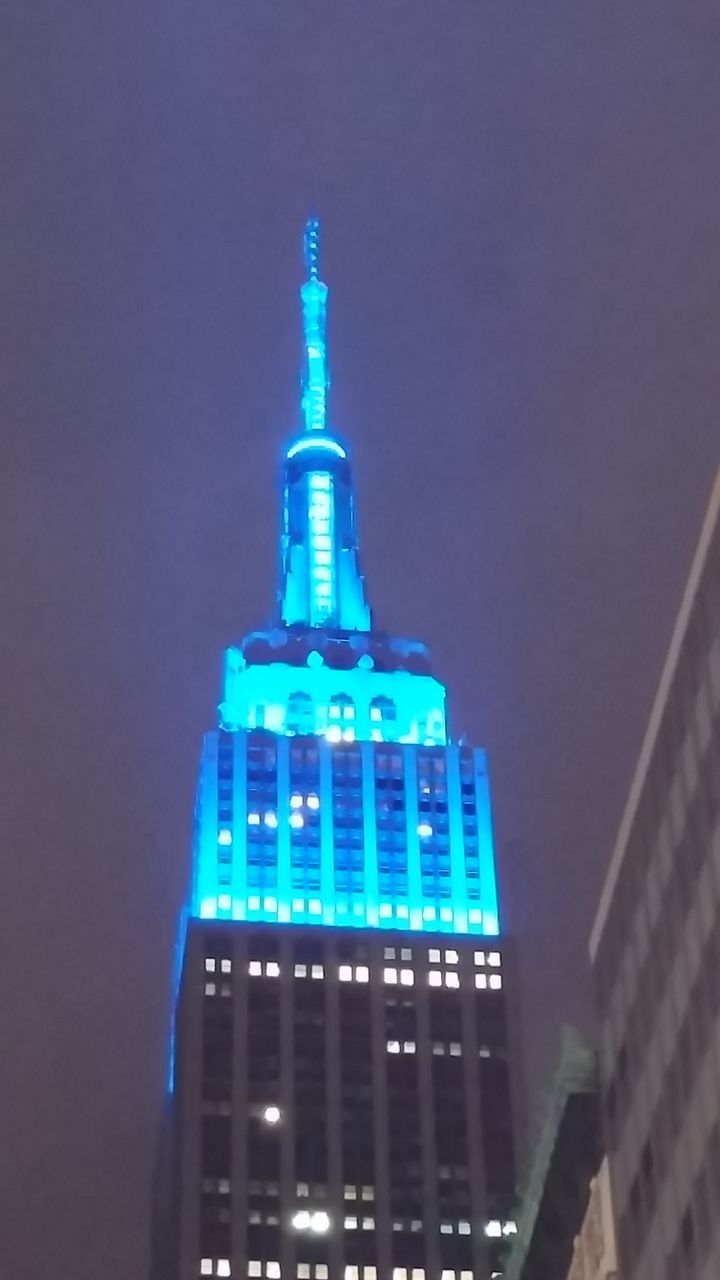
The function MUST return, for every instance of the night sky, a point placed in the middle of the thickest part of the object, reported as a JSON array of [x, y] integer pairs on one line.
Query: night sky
[[521, 212]]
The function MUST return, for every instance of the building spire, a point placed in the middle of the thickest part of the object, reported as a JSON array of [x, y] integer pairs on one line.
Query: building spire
[[313, 295]]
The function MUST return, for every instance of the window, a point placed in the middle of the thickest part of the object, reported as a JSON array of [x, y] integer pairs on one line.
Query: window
[[300, 713]]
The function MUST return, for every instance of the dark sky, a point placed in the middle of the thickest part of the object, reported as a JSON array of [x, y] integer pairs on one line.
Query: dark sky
[[521, 206]]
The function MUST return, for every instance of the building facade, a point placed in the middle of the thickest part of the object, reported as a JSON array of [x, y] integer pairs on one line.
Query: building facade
[[341, 1102], [655, 949], [558, 1193], [594, 1249]]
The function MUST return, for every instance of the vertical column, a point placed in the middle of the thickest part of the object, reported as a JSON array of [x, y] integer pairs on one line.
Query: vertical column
[[383, 1227], [239, 827], [458, 877], [431, 1222], [188, 1101], [327, 843], [206, 881], [284, 868], [473, 1113], [287, 1105], [334, 1106], [370, 867], [239, 1181], [486, 855], [415, 891]]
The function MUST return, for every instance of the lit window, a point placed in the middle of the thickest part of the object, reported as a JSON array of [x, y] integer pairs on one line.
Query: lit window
[[424, 830], [223, 1267], [416, 1225], [345, 973], [464, 1228], [271, 820], [390, 976], [298, 905], [405, 953], [351, 1273], [362, 973], [494, 959], [321, 1271], [272, 1270], [224, 902], [481, 981], [451, 957], [315, 907], [434, 956], [209, 988], [313, 802], [385, 910], [303, 1270], [334, 733], [303, 1189], [495, 981], [448, 1275], [479, 957], [509, 1229], [348, 735], [368, 1224], [475, 916], [389, 953], [317, 971], [418, 1273], [224, 836], [272, 969], [350, 1193], [319, 1222], [254, 968], [369, 1273], [226, 966], [493, 1228], [397, 1226], [351, 1224], [446, 1229], [206, 1267], [301, 971], [270, 905], [296, 801], [254, 1268], [368, 1193], [466, 1275], [301, 1220], [296, 821], [452, 980], [428, 913], [435, 978], [209, 966], [399, 1273], [271, 1115], [408, 1046], [253, 904], [223, 1186], [393, 1046], [407, 977], [438, 1049]]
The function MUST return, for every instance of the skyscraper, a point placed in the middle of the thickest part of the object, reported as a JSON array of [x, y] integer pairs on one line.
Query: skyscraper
[[341, 1096], [655, 949]]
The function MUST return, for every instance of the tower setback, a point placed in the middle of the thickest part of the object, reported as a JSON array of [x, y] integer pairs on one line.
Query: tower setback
[[340, 1105]]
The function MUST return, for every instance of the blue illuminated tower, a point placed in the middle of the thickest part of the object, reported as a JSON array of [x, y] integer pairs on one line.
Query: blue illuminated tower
[[341, 1105]]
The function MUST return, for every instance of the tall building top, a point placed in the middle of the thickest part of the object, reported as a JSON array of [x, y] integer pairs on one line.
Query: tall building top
[[321, 584]]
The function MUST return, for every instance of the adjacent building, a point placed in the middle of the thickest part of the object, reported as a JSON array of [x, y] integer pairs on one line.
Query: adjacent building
[[655, 950], [341, 1102], [564, 1221]]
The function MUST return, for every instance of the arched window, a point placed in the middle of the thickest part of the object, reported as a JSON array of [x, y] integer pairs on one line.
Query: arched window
[[341, 710], [300, 713], [383, 717]]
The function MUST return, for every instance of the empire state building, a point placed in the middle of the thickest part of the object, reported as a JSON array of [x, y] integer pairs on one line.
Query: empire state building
[[340, 1102]]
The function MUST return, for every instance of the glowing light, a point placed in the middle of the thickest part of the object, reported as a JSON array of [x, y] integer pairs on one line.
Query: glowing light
[[424, 830], [313, 802], [316, 442], [224, 837], [271, 820], [253, 819], [296, 801], [272, 1115], [296, 821]]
